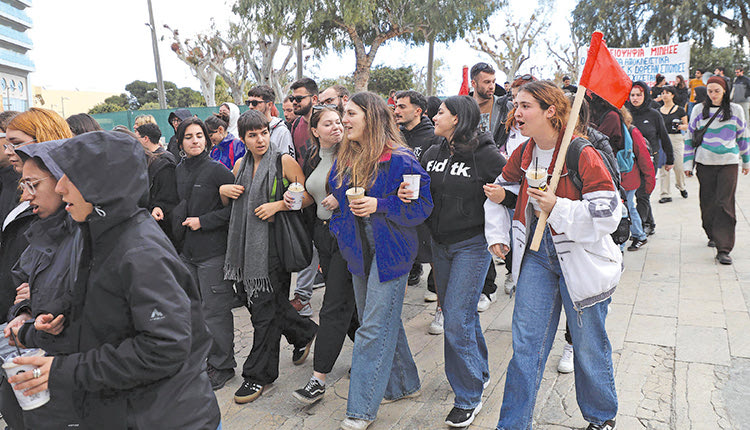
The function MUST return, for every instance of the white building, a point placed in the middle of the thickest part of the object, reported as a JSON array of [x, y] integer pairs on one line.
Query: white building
[[15, 64]]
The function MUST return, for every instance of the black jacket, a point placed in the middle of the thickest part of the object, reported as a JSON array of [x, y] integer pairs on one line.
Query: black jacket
[[456, 183], [651, 125], [143, 341], [500, 109], [198, 182], [421, 137], [162, 187], [13, 244], [173, 146], [8, 190]]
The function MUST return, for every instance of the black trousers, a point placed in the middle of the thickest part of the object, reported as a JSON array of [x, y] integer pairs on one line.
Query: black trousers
[[338, 315], [718, 185], [272, 315], [489, 280], [643, 205]]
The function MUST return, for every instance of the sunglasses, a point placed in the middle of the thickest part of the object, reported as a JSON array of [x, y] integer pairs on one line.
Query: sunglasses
[[323, 106], [298, 99], [255, 103], [525, 77]]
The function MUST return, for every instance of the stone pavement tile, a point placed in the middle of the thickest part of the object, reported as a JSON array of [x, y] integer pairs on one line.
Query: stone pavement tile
[[627, 288], [701, 313], [732, 297], [617, 324], [661, 268], [500, 351], [700, 286], [502, 320], [644, 383], [735, 394], [738, 327], [699, 404], [705, 266], [660, 244], [657, 298], [702, 345], [652, 330], [635, 260]]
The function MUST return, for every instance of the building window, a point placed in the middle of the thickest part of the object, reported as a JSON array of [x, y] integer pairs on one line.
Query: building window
[[3, 84], [20, 86]]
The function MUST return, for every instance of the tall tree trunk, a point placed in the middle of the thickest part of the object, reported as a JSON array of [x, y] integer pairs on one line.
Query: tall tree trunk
[[430, 68]]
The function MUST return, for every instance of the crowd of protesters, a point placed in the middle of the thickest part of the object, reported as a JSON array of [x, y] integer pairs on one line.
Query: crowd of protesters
[[122, 259]]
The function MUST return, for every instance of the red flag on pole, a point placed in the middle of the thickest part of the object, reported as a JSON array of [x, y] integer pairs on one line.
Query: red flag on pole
[[464, 91], [603, 75]]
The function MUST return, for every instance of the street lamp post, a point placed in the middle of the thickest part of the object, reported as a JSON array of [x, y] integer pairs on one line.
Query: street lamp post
[[62, 103], [157, 61]]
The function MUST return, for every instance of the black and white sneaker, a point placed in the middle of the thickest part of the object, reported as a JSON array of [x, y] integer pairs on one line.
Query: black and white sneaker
[[312, 392], [608, 425], [462, 417], [637, 244], [248, 392]]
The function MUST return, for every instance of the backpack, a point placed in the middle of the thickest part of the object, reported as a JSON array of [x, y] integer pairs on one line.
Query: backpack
[[625, 156]]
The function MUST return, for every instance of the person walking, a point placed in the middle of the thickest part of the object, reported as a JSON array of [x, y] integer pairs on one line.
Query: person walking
[[377, 236], [715, 158], [576, 268], [676, 121], [459, 166]]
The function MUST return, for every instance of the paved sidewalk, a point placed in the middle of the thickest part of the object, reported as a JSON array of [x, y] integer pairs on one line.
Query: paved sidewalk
[[679, 328]]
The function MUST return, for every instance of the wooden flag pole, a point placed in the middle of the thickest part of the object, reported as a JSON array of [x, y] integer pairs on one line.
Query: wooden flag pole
[[559, 162]]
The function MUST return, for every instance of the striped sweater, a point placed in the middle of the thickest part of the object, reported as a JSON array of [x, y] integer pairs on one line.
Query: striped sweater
[[723, 141]]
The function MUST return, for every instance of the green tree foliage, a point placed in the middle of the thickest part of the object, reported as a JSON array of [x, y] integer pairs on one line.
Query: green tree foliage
[[143, 92], [383, 79], [123, 100], [709, 58], [106, 108]]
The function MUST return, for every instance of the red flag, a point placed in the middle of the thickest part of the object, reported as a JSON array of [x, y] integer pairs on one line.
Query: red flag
[[464, 91], [603, 75]]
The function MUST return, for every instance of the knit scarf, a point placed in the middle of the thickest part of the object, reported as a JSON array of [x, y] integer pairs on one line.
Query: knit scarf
[[247, 244]]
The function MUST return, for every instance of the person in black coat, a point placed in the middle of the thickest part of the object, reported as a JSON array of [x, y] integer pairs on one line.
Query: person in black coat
[[140, 360], [175, 119], [651, 125]]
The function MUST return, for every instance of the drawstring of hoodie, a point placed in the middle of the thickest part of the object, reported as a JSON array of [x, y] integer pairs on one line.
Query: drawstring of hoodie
[[99, 211]]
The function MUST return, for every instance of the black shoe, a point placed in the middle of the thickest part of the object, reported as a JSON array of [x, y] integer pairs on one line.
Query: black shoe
[[312, 392], [665, 199], [683, 193], [248, 392], [415, 275], [608, 425], [637, 244], [711, 244], [219, 377], [724, 258], [319, 281], [649, 230], [299, 355], [462, 417]]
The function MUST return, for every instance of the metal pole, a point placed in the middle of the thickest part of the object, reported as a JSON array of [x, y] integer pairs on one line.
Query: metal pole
[[299, 58], [157, 61]]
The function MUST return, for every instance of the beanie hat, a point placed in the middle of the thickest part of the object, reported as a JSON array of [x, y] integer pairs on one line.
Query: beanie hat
[[717, 80]]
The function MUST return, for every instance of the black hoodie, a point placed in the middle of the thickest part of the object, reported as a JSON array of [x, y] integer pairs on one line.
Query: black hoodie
[[173, 146], [421, 137], [143, 340], [651, 125], [456, 185]]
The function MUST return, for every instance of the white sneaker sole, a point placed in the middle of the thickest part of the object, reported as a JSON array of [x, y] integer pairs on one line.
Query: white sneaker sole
[[468, 420]]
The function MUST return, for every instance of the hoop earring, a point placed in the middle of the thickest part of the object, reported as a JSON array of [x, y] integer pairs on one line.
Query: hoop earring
[[182, 154]]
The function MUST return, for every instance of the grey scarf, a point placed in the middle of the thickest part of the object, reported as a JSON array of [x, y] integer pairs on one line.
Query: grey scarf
[[247, 245]]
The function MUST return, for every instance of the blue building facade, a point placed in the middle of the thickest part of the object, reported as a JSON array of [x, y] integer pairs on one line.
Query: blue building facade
[[15, 64]]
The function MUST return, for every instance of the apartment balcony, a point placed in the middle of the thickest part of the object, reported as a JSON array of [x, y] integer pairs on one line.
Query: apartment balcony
[[16, 60], [14, 15]]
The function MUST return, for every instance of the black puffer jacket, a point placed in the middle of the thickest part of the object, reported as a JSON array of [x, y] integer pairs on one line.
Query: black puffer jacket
[[456, 185], [12, 246], [421, 137], [143, 341]]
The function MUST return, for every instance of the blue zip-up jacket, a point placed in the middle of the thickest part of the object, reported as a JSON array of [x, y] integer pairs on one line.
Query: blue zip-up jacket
[[228, 151], [394, 223]]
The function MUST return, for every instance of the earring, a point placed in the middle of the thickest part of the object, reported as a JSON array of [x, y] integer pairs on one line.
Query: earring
[[182, 154]]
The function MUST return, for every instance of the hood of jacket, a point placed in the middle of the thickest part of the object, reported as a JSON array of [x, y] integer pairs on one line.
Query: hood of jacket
[[234, 112], [42, 151], [181, 113], [646, 105], [109, 169]]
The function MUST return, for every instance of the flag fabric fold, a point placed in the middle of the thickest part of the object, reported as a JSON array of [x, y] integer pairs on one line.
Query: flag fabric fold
[[603, 75], [464, 91]]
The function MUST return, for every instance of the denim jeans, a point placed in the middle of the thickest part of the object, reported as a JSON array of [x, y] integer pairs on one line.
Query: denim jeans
[[540, 295], [382, 364], [458, 277], [636, 225]]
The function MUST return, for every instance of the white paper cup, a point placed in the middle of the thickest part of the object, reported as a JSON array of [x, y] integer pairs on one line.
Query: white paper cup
[[297, 192], [413, 181], [355, 193], [27, 403], [537, 178]]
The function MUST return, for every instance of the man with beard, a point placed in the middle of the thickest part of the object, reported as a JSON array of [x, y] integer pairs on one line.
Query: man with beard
[[493, 109], [336, 95], [304, 97], [261, 98]]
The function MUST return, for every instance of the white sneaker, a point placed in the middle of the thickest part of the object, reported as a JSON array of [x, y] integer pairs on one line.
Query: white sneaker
[[429, 296], [485, 301], [355, 424], [510, 284], [566, 361], [436, 326]]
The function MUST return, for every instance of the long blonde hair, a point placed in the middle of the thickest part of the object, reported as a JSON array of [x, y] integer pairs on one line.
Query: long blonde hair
[[360, 158], [41, 124]]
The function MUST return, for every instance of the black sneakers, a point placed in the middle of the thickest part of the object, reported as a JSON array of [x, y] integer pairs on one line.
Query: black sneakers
[[608, 425], [637, 244], [219, 377], [248, 392], [299, 355], [415, 275], [711, 244], [724, 258], [312, 392], [684, 194], [462, 417]]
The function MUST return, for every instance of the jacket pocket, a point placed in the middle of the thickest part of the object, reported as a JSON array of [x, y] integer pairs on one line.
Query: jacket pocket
[[455, 213]]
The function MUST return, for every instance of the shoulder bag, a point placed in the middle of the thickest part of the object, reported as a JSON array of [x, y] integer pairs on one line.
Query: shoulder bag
[[699, 133], [293, 240]]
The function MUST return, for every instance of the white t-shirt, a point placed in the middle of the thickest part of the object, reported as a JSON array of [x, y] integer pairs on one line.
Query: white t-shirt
[[515, 140], [541, 159]]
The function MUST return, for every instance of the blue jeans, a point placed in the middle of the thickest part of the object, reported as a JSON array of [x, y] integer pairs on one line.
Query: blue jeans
[[540, 294], [636, 224], [459, 278], [382, 364]]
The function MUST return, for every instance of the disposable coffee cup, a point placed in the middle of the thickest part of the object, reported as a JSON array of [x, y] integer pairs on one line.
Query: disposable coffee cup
[[355, 193], [297, 192], [413, 185], [537, 178], [34, 401]]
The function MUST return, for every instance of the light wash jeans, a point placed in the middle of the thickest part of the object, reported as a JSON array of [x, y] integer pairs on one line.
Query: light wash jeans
[[459, 281], [636, 225], [540, 295], [382, 364]]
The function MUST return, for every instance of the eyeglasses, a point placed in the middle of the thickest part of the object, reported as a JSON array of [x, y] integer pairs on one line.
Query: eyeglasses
[[28, 185], [255, 103], [10, 146], [329, 100], [297, 99], [323, 106]]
